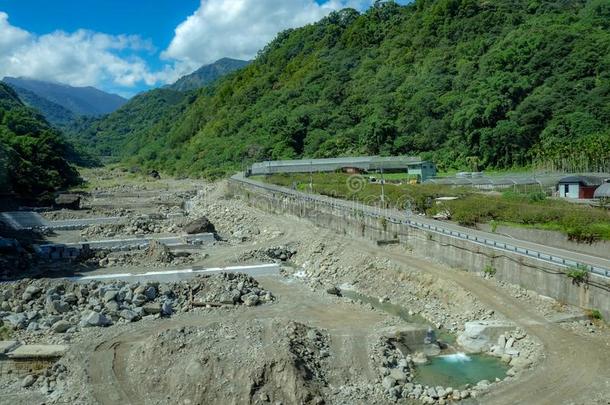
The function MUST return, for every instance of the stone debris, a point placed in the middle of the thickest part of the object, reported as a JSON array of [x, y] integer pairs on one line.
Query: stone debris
[[58, 306]]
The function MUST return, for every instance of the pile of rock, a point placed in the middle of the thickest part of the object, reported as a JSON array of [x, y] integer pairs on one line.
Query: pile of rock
[[62, 306], [48, 381], [280, 253], [397, 371]]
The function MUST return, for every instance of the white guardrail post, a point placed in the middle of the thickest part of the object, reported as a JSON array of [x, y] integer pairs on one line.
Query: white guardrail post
[[334, 203]]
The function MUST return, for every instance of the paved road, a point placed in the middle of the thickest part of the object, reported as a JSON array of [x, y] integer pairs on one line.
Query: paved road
[[557, 256]]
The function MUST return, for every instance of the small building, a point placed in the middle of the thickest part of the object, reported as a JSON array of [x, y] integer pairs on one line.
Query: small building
[[578, 187], [603, 191]]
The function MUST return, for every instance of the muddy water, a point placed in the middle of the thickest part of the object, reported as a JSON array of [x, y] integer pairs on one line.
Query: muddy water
[[398, 311]]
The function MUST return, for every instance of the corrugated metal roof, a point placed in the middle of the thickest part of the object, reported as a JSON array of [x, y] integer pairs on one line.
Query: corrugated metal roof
[[584, 180], [602, 191]]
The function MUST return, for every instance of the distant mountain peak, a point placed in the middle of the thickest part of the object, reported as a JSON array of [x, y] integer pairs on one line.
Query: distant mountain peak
[[87, 101], [207, 74]]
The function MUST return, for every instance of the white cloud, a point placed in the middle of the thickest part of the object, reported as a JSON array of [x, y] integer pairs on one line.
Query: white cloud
[[239, 28], [219, 28], [81, 58]]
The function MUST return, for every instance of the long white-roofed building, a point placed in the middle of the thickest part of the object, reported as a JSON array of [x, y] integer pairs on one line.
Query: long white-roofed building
[[413, 165]]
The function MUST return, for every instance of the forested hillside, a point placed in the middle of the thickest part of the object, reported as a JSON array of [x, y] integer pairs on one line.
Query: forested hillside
[[498, 83], [33, 157], [52, 112], [107, 136]]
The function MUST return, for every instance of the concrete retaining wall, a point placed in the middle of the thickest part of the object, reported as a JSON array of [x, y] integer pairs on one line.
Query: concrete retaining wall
[[544, 278], [72, 250], [550, 238]]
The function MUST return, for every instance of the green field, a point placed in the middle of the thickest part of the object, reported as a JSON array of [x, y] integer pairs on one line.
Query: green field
[[534, 210]]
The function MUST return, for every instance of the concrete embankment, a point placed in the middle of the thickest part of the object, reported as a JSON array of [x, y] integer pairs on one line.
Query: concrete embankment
[[545, 278]]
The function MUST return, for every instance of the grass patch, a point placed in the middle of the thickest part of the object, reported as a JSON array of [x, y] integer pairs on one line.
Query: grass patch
[[6, 333], [532, 210]]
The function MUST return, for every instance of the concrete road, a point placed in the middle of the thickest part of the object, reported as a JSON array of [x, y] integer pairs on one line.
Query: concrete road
[[530, 249]]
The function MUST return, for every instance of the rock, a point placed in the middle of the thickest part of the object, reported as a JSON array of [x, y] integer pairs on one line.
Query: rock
[[388, 382], [110, 295], [17, 321], [398, 375], [61, 326], [333, 290], [67, 201], [432, 393], [139, 300], [511, 352], [167, 309], [151, 309], [28, 381], [112, 306], [97, 319], [478, 335], [419, 358], [200, 225], [509, 343], [33, 290], [150, 293], [520, 363], [250, 300], [129, 315]]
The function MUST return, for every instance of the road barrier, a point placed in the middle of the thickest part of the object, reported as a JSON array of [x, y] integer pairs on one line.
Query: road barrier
[[454, 231]]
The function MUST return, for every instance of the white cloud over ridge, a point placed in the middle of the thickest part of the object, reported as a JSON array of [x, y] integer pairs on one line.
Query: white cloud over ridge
[[219, 28], [239, 28]]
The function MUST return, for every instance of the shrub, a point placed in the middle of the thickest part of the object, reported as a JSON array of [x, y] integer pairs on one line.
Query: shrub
[[579, 274], [595, 314], [489, 271]]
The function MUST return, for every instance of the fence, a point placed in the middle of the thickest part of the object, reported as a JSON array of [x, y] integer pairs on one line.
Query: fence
[[433, 226]]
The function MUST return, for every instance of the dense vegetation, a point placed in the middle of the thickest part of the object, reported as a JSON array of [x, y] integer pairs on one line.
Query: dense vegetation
[[33, 156], [52, 112], [208, 74], [102, 136], [533, 209], [493, 84]]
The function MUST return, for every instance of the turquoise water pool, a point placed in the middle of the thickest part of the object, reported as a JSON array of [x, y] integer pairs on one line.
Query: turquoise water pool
[[457, 370]]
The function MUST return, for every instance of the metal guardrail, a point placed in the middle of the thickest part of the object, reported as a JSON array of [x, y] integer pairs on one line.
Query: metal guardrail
[[392, 217]]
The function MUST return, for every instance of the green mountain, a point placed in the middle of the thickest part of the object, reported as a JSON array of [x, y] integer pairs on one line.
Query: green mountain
[[494, 83], [108, 136], [33, 156], [87, 101], [207, 74], [52, 112]]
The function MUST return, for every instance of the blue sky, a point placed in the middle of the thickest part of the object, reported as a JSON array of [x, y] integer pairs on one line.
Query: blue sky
[[126, 46]]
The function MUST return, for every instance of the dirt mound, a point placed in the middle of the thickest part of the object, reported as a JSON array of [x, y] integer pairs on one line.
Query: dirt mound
[[254, 362]]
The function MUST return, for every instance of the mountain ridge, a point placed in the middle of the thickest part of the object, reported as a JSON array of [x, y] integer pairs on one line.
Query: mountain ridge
[[206, 74], [86, 101]]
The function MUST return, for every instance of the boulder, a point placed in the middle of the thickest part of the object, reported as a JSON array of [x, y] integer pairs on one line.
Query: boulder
[[28, 381], [166, 308], [61, 326], [97, 319], [388, 382], [110, 295], [17, 321], [129, 315], [151, 309], [333, 290], [199, 225], [250, 300], [68, 201], [479, 336]]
